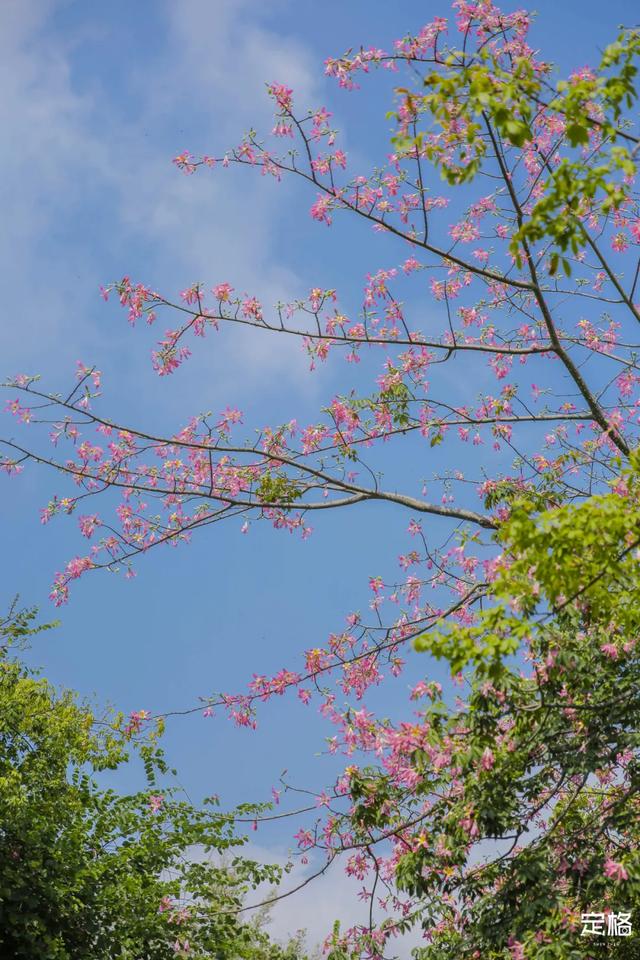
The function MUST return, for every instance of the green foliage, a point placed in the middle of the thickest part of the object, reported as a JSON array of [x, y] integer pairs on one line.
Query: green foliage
[[277, 489], [526, 797], [86, 872], [483, 97], [551, 558]]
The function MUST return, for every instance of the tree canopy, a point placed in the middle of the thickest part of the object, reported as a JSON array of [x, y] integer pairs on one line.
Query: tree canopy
[[89, 871]]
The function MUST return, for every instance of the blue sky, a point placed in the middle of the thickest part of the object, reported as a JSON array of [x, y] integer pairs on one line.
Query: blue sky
[[97, 100]]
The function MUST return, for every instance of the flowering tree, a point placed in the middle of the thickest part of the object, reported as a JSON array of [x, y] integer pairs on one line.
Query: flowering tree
[[510, 195]]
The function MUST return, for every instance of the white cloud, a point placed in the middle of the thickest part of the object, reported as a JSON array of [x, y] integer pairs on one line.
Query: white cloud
[[224, 53], [43, 122], [65, 157]]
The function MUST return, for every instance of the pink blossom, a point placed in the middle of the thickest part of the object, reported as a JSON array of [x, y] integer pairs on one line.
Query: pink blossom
[[282, 95], [615, 871], [223, 291], [251, 308], [320, 210], [516, 949], [304, 838], [620, 242], [88, 525], [487, 760], [185, 162], [165, 904]]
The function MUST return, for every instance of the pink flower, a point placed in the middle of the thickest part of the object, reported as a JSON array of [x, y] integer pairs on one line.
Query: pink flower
[[487, 760], [516, 949], [615, 871], [136, 719], [465, 231], [610, 649], [87, 525], [282, 95], [251, 308], [185, 162], [77, 566], [155, 802], [470, 826], [320, 210], [619, 242], [282, 130], [223, 291], [304, 838], [165, 904]]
